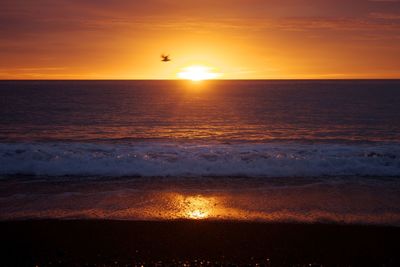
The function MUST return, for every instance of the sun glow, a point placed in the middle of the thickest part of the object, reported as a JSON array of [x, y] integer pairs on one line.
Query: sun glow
[[198, 73]]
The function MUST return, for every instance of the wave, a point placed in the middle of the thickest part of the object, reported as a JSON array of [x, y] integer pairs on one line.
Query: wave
[[188, 159]]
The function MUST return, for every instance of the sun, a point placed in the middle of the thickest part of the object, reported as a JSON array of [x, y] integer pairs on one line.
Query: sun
[[198, 73]]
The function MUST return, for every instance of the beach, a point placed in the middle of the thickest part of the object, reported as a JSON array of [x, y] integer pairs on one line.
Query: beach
[[195, 243]]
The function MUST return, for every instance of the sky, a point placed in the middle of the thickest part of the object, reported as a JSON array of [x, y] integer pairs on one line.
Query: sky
[[235, 39]]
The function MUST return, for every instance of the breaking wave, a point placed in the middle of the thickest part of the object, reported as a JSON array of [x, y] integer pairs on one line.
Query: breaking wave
[[175, 159]]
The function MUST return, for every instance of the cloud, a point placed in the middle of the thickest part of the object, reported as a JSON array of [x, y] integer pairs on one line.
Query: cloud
[[42, 17], [386, 16]]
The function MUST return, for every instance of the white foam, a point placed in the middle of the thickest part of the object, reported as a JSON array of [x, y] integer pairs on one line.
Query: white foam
[[174, 159]]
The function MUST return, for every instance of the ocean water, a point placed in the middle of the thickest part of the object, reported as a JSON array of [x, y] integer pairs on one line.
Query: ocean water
[[244, 150]]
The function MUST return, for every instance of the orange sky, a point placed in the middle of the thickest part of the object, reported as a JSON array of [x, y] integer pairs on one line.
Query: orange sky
[[240, 39]]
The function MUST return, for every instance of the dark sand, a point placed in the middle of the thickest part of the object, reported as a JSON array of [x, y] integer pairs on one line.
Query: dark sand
[[126, 243]]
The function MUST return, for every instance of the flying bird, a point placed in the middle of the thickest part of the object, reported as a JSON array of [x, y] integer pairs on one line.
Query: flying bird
[[165, 58]]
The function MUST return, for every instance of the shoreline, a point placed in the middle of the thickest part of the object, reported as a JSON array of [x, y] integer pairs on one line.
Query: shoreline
[[304, 200], [178, 242]]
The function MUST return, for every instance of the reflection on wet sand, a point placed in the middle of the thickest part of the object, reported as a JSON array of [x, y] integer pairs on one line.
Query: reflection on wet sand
[[195, 207], [208, 199], [172, 205], [217, 206]]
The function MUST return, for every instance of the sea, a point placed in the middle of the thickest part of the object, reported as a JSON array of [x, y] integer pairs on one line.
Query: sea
[[307, 151]]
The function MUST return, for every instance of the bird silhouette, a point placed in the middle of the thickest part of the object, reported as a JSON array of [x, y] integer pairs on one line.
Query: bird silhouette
[[165, 58]]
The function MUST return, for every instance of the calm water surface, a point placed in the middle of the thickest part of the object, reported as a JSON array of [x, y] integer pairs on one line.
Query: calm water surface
[[209, 111]]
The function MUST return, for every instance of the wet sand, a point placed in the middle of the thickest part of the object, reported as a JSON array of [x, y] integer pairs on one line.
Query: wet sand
[[195, 243]]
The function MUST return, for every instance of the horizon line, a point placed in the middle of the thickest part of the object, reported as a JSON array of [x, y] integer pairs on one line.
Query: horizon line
[[211, 80]]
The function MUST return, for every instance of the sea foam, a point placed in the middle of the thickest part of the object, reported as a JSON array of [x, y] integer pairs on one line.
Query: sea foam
[[188, 159]]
